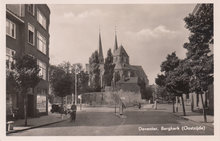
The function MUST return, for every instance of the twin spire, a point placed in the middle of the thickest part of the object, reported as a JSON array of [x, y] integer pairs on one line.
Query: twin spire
[[101, 59], [116, 42]]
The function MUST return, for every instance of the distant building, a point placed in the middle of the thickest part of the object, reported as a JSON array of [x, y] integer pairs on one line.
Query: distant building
[[27, 32], [128, 75]]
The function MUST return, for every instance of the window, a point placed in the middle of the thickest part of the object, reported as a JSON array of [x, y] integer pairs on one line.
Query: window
[[41, 100], [10, 29], [41, 43], [31, 8], [10, 61], [43, 69], [30, 34], [41, 19]]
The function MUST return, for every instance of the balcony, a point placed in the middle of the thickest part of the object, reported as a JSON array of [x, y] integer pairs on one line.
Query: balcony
[[17, 9]]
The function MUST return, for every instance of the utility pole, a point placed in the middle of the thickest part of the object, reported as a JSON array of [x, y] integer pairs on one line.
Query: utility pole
[[72, 98], [76, 85]]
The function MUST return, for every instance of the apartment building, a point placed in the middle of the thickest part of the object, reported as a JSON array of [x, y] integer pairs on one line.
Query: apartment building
[[27, 32]]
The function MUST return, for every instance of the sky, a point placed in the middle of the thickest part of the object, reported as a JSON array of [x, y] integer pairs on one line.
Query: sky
[[148, 32]]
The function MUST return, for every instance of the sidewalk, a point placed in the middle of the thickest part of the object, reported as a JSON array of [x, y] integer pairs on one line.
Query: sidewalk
[[193, 116], [37, 122]]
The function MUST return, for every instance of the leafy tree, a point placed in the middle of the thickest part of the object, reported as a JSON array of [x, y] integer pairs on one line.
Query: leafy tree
[[62, 82], [94, 72], [162, 93], [172, 62], [200, 25], [11, 90], [109, 68], [83, 80], [160, 80], [11, 84], [178, 80], [26, 76], [117, 76], [146, 92]]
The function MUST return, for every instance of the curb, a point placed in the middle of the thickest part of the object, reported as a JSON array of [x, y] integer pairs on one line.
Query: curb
[[15, 131], [182, 117]]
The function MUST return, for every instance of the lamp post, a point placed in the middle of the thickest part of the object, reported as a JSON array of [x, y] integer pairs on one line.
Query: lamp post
[[114, 90], [76, 84]]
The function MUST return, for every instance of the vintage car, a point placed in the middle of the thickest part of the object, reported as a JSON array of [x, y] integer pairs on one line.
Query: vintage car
[[57, 108]]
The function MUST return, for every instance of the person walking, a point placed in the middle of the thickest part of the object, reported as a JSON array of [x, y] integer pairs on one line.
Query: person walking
[[139, 106], [73, 112]]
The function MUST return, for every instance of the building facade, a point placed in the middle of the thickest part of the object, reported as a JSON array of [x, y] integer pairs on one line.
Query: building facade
[[27, 33]]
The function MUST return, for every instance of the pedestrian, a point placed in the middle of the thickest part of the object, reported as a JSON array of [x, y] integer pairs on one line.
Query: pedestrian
[[73, 112], [139, 105]]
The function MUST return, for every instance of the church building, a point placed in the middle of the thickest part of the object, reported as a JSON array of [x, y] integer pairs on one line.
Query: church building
[[126, 77]]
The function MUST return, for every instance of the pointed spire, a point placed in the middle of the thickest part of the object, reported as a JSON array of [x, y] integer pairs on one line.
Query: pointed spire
[[116, 42], [101, 59]]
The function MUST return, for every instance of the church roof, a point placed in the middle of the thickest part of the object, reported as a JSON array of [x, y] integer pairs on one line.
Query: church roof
[[140, 72], [120, 51], [121, 66]]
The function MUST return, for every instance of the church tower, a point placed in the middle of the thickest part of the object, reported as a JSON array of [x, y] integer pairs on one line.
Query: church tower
[[120, 59], [116, 42], [101, 60]]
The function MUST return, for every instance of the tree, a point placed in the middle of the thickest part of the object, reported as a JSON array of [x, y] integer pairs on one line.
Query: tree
[[162, 93], [109, 68], [160, 80], [172, 62], [62, 82], [11, 84], [178, 80], [27, 77], [94, 72], [146, 92], [11, 90], [200, 25], [83, 79]]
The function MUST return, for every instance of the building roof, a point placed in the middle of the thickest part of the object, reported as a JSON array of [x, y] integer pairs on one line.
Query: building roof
[[140, 72], [120, 51], [119, 66]]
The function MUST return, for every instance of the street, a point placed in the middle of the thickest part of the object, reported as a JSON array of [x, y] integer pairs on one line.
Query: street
[[103, 122]]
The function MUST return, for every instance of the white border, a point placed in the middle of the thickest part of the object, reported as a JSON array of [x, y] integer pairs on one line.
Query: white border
[[126, 138]]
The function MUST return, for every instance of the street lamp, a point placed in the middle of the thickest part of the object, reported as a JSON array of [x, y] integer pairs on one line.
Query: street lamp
[[76, 72]]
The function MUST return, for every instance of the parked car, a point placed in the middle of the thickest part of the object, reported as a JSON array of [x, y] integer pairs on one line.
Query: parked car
[[57, 108]]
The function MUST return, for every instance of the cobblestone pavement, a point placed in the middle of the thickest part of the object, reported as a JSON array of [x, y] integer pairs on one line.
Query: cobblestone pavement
[[101, 121]]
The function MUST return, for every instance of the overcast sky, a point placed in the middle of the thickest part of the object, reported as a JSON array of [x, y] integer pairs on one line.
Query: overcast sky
[[147, 32]]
